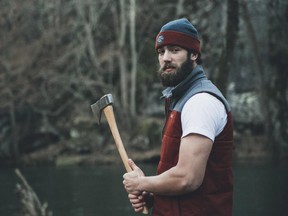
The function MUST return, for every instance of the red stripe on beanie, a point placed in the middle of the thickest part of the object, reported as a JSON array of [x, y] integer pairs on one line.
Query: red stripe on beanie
[[177, 38]]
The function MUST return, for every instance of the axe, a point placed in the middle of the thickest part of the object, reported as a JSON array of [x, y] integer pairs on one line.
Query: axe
[[105, 104]]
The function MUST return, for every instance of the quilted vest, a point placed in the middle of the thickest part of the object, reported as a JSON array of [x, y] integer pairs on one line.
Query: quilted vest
[[214, 196]]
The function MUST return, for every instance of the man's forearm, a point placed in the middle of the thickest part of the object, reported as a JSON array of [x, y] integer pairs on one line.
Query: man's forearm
[[171, 182]]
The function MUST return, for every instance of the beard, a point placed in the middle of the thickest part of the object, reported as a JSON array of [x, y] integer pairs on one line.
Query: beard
[[173, 78]]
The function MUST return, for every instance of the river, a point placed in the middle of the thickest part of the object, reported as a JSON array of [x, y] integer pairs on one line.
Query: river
[[260, 190]]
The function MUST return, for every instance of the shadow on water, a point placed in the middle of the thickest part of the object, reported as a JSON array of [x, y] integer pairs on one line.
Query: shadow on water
[[260, 189]]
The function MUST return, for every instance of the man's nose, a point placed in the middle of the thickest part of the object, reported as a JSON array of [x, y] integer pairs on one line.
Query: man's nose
[[167, 56]]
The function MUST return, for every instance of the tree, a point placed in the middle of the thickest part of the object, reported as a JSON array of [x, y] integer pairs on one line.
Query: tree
[[277, 90], [56, 58], [230, 41], [134, 57]]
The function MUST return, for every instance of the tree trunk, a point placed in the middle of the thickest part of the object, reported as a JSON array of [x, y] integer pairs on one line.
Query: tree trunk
[[222, 79], [262, 91], [278, 91], [122, 57], [134, 57], [179, 8]]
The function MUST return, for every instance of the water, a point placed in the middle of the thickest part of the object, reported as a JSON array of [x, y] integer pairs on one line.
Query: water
[[260, 189]]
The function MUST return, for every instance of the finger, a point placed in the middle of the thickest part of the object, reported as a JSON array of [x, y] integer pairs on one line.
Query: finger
[[138, 205], [136, 195], [132, 196], [136, 199], [140, 209]]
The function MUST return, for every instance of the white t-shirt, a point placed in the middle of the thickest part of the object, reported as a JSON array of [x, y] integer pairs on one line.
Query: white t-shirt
[[203, 114]]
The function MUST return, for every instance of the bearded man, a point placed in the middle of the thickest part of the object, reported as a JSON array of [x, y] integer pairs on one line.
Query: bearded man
[[194, 175]]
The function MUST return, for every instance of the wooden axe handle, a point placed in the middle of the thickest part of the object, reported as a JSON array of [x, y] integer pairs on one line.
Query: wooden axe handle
[[109, 114]]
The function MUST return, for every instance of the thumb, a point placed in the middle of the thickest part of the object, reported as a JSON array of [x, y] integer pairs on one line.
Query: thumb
[[132, 164]]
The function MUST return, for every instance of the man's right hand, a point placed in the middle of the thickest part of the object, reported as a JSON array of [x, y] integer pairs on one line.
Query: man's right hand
[[137, 202]]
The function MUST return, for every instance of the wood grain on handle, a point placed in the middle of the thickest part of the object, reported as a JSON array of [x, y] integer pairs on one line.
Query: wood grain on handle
[[109, 114]]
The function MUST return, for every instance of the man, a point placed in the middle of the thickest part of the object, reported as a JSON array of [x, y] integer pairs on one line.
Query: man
[[194, 175]]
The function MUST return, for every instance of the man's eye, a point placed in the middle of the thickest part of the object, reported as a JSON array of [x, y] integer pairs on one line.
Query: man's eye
[[160, 52], [175, 50]]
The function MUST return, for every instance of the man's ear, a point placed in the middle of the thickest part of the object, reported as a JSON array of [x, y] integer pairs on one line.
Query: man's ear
[[194, 56]]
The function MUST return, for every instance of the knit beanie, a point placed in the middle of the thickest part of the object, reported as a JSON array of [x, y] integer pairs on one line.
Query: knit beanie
[[179, 32]]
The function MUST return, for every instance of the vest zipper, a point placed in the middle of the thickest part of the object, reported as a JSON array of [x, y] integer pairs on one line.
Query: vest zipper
[[167, 112]]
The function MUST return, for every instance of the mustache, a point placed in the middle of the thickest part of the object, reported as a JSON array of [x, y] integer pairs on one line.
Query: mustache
[[168, 65]]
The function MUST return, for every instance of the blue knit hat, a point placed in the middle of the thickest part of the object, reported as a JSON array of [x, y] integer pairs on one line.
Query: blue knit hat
[[179, 32]]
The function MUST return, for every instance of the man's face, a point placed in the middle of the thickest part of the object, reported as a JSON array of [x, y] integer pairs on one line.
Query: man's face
[[175, 65]]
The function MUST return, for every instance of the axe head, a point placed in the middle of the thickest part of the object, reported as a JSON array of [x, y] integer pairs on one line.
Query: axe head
[[100, 105]]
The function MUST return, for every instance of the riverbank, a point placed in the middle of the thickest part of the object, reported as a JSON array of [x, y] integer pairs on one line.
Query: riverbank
[[246, 147]]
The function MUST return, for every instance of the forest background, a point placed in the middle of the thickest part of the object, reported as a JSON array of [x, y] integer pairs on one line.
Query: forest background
[[59, 57]]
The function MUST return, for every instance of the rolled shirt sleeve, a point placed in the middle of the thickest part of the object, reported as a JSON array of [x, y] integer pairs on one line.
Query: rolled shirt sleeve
[[203, 114]]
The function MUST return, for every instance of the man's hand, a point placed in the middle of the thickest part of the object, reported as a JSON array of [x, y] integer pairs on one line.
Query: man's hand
[[131, 184], [137, 202], [131, 179]]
